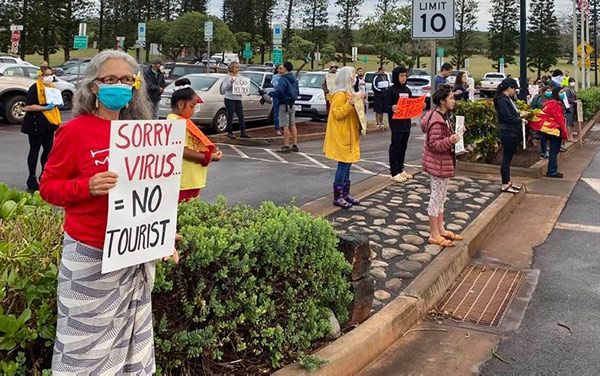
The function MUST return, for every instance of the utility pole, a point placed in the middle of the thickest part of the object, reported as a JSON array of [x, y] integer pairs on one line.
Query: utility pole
[[24, 33], [523, 58], [100, 26]]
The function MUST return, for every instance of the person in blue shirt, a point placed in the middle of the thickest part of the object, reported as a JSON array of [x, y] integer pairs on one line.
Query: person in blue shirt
[[442, 76], [275, 82]]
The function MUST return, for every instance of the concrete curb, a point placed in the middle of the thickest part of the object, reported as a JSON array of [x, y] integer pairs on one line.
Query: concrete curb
[[352, 352], [536, 171]]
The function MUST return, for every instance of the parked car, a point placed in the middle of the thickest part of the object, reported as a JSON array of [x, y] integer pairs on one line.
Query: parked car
[[262, 79], [183, 69], [60, 70], [311, 98], [75, 73], [420, 85], [210, 110], [226, 57], [9, 59], [418, 72], [452, 78], [20, 70], [13, 92], [369, 77], [490, 83]]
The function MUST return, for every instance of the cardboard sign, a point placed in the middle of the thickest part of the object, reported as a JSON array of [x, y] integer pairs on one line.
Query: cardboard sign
[[53, 95], [330, 81], [241, 86], [142, 207], [359, 106], [580, 111], [409, 108], [460, 131]]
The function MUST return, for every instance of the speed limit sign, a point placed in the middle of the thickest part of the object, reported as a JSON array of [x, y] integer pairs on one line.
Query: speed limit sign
[[433, 19]]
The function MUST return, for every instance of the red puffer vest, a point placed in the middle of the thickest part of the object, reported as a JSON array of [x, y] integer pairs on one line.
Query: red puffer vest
[[438, 151]]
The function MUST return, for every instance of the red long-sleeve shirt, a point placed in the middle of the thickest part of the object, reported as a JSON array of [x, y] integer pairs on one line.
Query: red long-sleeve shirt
[[80, 151]]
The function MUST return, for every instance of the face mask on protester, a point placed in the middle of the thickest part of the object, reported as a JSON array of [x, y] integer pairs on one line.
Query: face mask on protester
[[548, 94], [562, 96], [116, 96], [48, 79], [572, 84]]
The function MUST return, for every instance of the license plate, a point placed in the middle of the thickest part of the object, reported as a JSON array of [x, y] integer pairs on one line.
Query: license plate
[[297, 108]]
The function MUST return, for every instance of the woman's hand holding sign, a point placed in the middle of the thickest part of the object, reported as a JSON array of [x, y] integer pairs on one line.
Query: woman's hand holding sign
[[175, 253], [102, 182]]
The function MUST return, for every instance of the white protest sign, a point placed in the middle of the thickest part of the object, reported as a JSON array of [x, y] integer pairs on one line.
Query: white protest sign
[[53, 96], [142, 207], [460, 131], [524, 134], [241, 86], [566, 102], [580, 111]]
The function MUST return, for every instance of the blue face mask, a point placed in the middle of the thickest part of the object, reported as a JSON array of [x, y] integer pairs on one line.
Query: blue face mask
[[116, 96], [562, 96], [548, 94]]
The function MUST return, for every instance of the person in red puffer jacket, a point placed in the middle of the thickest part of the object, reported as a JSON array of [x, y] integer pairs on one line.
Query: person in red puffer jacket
[[439, 162]]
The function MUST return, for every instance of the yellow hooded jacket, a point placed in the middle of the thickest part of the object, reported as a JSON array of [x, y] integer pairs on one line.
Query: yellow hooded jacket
[[342, 142]]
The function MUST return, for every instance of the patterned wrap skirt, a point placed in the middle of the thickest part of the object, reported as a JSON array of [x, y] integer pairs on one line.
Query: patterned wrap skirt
[[104, 320]]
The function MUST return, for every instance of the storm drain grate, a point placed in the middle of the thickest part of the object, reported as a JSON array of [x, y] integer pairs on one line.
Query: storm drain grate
[[482, 295]]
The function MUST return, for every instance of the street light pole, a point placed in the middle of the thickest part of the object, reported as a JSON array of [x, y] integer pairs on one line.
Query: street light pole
[[523, 58]]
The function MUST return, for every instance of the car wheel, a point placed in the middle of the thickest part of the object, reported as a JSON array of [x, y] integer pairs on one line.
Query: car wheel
[[67, 97], [13, 108], [220, 121]]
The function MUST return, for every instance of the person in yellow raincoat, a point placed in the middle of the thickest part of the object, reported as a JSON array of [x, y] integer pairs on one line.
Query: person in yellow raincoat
[[199, 151], [342, 143], [41, 121]]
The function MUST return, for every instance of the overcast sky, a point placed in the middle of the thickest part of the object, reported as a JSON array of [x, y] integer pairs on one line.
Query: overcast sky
[[485, 7]]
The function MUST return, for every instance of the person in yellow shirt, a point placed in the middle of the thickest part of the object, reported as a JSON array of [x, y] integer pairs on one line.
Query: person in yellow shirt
[[342, 143], [199, 151]]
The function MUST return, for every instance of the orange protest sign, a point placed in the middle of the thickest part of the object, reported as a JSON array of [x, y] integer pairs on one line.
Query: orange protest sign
[[408, 108]]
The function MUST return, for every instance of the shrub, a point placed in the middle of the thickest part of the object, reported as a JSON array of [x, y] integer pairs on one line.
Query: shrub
[[251, 290], [30, 242], [591, 101], [482, 131]]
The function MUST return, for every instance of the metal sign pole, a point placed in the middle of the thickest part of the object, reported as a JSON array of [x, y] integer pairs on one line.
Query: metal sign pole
[[433, 70]]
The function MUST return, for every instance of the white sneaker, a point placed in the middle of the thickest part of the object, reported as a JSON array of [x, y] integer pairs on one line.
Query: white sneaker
[[400, 178]]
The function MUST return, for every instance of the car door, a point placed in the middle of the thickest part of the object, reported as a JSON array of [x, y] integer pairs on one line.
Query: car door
[[252, 108]]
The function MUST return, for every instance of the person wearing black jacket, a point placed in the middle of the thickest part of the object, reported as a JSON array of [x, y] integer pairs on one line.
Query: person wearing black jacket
[[155, 85], [380, 85], [510, 124], [400, 128]]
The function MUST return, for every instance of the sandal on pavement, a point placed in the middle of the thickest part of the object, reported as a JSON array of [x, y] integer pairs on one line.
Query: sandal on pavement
[[515, 186], [399, 178], [452, 236], [510, 189], [407, 175], [441, 241]]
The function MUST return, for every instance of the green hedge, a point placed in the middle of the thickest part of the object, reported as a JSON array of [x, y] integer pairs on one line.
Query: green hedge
[[591, 101], [482, 132], [250, 292]]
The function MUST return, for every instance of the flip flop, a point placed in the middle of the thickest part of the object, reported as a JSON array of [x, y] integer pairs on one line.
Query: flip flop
[[441, 241], [510, 189], [452, 236], [515, 186]]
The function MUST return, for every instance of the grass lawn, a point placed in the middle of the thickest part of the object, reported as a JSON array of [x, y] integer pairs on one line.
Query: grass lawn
[[479, 65]]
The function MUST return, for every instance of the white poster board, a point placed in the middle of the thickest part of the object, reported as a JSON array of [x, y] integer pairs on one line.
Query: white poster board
[[359, 106], [241, 86], [524, 134], [566, 102], [533, 91], [142, 207], [53, 95], [460, 131], [580, 111]]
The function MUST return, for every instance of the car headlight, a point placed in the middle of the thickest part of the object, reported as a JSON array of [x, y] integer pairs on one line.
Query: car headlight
[[319, 97]]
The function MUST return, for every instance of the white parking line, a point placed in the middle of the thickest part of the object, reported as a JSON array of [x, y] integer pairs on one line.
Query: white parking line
[[362, 169], [240, 153], [274, 154], [313, 160], [577, 227]]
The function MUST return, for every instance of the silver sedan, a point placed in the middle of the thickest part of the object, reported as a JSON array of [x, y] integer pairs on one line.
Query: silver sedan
[[210, 111]]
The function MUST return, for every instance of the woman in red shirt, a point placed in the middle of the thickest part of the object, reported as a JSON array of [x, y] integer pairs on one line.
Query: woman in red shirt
[[104, 320]]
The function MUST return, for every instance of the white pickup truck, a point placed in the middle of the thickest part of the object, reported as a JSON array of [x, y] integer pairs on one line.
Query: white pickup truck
[[490, 83]]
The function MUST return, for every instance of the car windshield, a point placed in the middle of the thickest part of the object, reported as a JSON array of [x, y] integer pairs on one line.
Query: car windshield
[[311, 80], [199, 83], [419, 72], [256, 77], [73, 70], [183, 70], [493, 75]]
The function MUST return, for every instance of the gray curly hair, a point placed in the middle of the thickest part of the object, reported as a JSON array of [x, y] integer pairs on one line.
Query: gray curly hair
[[84, 101]]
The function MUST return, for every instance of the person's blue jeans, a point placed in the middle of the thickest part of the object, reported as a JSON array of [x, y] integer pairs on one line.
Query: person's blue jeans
[[543, 143], [276, 113], [342, 174], [555, 142]]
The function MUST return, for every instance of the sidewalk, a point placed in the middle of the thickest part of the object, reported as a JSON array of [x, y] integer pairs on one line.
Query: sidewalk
[[566, 262]]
